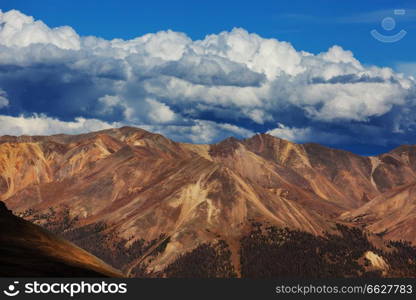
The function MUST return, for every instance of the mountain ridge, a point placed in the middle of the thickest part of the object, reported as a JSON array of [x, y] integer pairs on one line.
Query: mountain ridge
[[128, 188]]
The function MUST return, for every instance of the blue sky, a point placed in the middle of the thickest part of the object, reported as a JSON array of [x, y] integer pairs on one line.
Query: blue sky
[[309, 25], [233, 83]]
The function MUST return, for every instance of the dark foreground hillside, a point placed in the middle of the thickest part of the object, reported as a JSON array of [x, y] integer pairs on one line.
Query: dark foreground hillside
[[27, 250]]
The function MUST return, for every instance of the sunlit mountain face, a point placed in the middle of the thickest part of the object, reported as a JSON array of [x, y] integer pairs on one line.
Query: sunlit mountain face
[[151, 207]]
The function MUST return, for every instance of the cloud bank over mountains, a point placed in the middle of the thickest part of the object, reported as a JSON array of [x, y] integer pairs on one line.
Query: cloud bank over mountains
[[232, 83]]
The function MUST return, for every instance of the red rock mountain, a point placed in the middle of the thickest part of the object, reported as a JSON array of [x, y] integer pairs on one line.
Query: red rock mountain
[[139, 200]]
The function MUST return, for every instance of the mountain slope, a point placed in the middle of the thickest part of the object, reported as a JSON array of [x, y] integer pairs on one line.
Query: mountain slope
[[138, 200], [28, 250], [391, 214]]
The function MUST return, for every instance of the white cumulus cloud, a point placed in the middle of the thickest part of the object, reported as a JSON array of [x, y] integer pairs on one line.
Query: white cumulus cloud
[[180, 86], [43, 125], [19, 30]]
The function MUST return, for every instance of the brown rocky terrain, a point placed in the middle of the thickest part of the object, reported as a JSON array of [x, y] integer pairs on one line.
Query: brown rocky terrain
[[139, 201], [28, 250]]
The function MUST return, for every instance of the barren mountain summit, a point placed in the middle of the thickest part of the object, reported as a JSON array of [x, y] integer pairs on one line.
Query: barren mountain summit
[[139, 200]]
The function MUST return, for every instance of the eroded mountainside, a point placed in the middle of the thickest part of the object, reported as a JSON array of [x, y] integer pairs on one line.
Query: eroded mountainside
[[140, 201]]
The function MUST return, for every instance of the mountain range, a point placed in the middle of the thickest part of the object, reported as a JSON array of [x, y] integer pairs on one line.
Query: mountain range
[[152, 207]]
